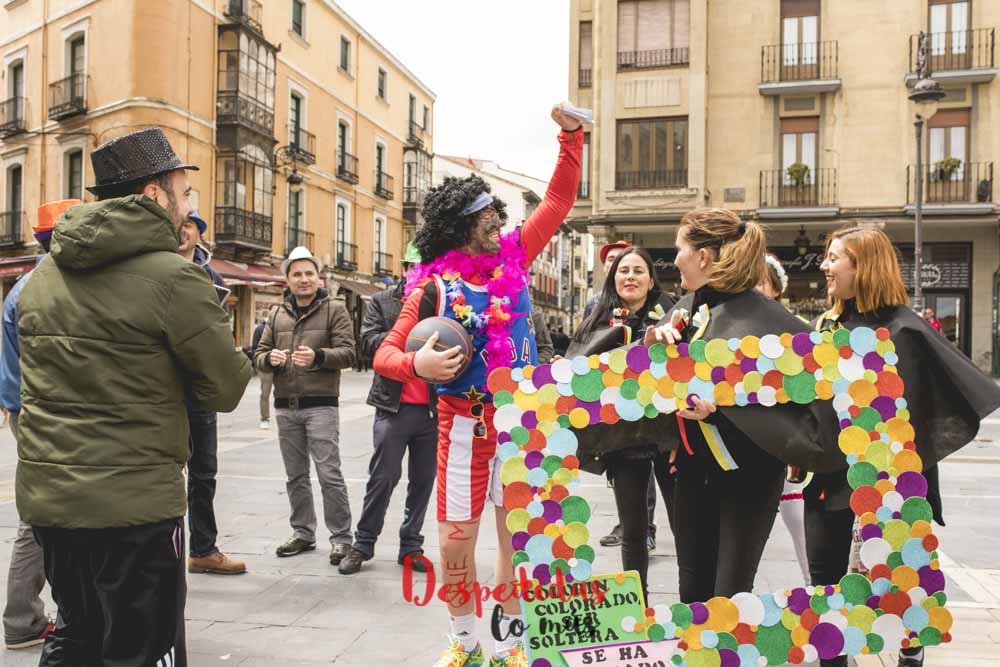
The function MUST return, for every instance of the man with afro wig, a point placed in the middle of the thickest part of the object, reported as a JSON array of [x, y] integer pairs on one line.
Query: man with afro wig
[[477, 275]]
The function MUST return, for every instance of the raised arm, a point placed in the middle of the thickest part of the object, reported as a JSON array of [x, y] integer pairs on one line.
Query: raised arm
[[561, 193]]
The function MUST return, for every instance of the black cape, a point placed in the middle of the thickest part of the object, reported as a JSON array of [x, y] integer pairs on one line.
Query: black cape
[[599, 440], [946, 394], [800, 435]]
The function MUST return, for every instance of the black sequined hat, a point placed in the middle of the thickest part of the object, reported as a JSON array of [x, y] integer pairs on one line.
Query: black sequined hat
[[133, 158]]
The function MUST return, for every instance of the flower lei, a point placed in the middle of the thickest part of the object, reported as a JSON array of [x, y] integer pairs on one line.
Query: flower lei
[[505, 277]]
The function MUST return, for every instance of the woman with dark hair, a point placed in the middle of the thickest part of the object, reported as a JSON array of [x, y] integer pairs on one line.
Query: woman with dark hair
[[946, 395], [623, 310], [732, 467]]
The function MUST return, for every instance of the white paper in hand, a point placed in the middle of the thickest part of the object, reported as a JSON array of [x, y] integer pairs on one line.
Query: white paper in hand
[[582, 115]]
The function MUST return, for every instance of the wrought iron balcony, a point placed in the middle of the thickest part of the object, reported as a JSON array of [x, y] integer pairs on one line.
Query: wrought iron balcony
[[302, 145], [295, 237], [68, 97], [654, 58], [237, 226], [10, 228], [586, 78], [811, 67], [583, 191], [417, 133], [957, 50], [347, 256], [12, 113], [969, 183], [381, 263], [232, 107], [383, 185], [347, 167], [653, 179], [248, 12], [816, 188]]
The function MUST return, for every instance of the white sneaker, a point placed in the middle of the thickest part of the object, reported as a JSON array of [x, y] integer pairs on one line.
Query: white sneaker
[[265, 424]]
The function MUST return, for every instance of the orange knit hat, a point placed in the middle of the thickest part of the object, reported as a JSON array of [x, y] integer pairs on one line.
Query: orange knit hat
[[50, 212]]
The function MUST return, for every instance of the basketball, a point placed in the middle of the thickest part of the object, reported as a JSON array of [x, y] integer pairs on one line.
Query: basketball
[[450, 333]]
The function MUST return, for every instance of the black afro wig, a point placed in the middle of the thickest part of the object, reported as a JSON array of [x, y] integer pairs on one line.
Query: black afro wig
[[445, 228]]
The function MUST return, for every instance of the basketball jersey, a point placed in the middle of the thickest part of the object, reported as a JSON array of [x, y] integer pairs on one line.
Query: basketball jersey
[[472, 383]]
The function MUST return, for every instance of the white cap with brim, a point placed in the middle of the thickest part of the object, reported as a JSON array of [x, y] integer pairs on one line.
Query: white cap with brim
[[295, 255]]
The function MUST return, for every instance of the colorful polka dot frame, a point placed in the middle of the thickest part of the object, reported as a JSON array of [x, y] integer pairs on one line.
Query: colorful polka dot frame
[[901, 601]]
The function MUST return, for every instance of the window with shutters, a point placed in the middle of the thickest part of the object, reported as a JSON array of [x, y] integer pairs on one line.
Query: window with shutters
[[949, 34], [948, 156], [651, 153], [298, 17], [799, 39], [798, 146], [586, 54], [73, 169], [653, 33], [383, 83], [345, 54]]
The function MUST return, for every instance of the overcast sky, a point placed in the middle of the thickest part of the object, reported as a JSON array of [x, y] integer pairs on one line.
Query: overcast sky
[[496, 68]]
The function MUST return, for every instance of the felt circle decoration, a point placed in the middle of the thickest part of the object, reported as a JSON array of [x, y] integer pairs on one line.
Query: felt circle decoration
[[899, 604]]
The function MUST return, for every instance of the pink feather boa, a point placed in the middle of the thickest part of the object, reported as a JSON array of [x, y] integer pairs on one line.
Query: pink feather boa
[[502, 289]]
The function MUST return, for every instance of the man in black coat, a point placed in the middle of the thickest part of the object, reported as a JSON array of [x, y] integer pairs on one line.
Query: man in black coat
[[405, 418]]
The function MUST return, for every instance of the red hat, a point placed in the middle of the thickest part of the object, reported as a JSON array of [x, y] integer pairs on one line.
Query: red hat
[[608, 247]]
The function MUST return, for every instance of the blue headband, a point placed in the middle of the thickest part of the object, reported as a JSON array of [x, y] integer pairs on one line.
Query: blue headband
[[482, 201]]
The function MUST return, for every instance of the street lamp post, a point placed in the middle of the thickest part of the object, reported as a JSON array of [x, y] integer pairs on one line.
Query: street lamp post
[[926, 94]]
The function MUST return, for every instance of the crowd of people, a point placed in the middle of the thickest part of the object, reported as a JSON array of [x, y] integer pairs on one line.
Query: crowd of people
[[117, 356]]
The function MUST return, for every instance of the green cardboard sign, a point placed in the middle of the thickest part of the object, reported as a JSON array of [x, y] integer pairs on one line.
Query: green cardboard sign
[[596, 614]]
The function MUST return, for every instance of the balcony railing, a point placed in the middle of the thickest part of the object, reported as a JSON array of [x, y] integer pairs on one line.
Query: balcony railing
[[295, 237], [383, 185], [12, 116], [232, 108], [586, 78], [583, 191], [957, 50], [970, 183], [68, 97], [381, 263], [417, 132], [655, 58], [651, 180], [10, 228], [347, 256], [237, 226], [810, 61], [347, 167], [302, 145], [816, 188], [249, 12]]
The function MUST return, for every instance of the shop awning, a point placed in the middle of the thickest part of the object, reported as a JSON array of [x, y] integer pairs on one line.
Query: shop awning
[[17, 266], [236, 273], [364, 290]]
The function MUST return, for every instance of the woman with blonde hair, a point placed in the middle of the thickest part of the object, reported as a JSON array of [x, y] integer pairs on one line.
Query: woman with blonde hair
[[731, 460], [946, 395]]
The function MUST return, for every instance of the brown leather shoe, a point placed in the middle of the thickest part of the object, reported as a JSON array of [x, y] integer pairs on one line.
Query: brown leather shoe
[[217, 563]]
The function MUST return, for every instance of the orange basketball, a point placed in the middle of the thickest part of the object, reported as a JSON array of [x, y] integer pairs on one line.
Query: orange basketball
[[450, 333]]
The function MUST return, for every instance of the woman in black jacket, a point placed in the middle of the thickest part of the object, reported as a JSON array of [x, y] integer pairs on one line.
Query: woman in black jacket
[[731, 466], [946, 395], [626, 307]]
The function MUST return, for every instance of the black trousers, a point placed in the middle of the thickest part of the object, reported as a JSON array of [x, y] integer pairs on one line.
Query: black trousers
[[120, 593], [202, 468], [631, 482], [411, 428], [722, 521], [651, 505], [828, 543]]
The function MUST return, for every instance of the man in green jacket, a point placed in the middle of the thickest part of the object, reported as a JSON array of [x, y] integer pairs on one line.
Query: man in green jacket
[[114, 325]]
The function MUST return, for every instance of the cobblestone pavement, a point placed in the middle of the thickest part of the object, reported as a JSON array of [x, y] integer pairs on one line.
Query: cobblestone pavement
[[300, 611]]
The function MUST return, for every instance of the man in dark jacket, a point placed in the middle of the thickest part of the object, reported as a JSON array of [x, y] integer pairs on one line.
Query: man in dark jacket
[[205, 557], [543, 340], [116, 330], [305, 346], [404, 419]]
